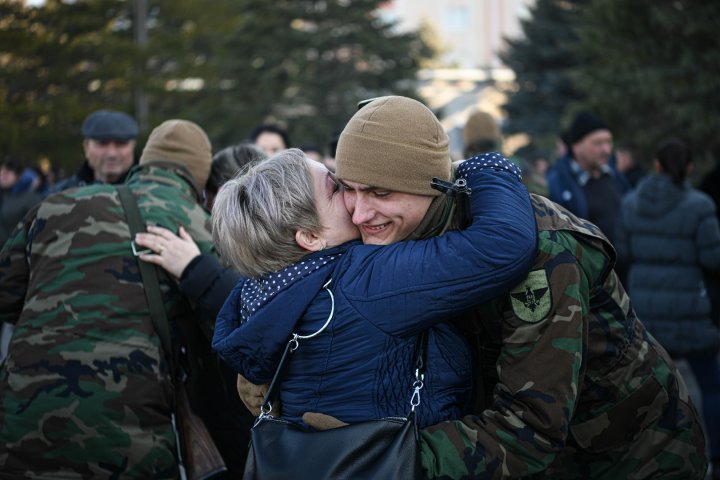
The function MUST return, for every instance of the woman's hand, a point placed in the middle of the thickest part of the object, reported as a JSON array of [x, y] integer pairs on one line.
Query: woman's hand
[[171, 252], [252, 396]]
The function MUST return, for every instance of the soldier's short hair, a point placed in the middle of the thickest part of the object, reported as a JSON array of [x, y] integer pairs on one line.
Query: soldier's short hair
[[257, 213]]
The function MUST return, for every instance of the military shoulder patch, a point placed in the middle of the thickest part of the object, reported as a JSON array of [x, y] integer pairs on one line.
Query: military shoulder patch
[[531, 299]]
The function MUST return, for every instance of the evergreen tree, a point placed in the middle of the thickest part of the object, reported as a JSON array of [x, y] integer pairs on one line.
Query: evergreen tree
[[227, 65], [302, 63], [59, 63], [542, 61], [651, 69]]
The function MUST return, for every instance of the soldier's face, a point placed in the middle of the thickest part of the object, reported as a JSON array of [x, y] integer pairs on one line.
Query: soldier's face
[[109, 159], [384, 216]]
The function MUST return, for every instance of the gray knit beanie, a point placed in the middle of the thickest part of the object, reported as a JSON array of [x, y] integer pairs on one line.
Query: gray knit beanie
[[395, 143]]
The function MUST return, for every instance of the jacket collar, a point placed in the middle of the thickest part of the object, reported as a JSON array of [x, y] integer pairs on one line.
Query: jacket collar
[[257, 292], [583, 176]]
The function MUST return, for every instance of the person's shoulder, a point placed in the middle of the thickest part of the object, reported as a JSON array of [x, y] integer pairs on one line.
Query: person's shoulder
[[555, 242], [28, 197], [90, 201], [558, 178], [560, 165], [562, 253], [699, 203], [64, 184], [700, 198]]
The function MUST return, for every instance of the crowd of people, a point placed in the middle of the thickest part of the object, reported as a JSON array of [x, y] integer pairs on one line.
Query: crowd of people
[[555, 309]]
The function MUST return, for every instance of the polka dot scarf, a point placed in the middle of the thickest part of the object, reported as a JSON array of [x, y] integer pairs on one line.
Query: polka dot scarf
[[257, 292]]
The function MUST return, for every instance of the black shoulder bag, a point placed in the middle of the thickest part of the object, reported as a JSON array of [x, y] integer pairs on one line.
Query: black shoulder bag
[[198, 456], [383, 448]]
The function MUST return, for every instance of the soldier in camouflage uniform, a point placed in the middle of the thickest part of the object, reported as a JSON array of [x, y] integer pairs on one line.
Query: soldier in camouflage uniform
[[572, 384], [86, 391], [569, 384]]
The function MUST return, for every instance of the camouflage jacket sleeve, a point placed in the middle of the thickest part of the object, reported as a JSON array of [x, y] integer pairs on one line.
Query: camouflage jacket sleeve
[[15, 270], [540, 366]]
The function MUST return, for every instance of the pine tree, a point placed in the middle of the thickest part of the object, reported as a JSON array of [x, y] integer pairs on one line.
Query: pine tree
[[227, 65], [59, 63], [302, 63], [651, 69], [542, 61]]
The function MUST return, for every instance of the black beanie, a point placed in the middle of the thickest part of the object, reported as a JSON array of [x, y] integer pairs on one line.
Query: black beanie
[[584, 124]]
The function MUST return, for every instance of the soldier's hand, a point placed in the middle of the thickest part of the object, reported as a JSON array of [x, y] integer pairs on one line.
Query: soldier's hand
[[252, 395], [320, 421]]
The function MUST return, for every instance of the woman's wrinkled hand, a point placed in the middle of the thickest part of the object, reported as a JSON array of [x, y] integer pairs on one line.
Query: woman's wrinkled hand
[[252, 396], [171, 252]]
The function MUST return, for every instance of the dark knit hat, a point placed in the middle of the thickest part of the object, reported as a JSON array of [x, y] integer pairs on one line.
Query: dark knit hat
[[395, 143], [181, 142], [585, 123], [106, 125]]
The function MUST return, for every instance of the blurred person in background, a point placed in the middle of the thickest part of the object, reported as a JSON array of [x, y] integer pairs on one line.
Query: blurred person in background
[[582, 180], [227, 162], [109, 147], [710, 183], [270, 138], [15, 201], [668, 233], [329, 160], [481, 134], [313, 152], [627, 163]]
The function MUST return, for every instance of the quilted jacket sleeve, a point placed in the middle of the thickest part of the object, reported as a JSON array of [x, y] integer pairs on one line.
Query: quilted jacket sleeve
[[408, 286]]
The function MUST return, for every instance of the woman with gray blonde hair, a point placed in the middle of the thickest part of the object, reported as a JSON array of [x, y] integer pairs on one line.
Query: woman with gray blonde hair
[[283, 223], [267, 219]]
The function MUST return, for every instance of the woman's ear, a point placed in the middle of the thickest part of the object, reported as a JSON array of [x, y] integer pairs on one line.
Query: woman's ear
[[308, 241]]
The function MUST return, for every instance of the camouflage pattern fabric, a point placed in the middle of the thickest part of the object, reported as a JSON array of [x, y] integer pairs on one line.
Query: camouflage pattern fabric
[[86, 392], [583, 390]]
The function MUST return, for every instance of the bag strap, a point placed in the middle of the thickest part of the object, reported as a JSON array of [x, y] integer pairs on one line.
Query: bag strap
[[150, 281], [274, 389], [148, 273], [420, 366]]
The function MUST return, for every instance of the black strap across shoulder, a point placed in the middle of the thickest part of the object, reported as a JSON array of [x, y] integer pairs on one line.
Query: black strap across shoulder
[[148, 273]]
